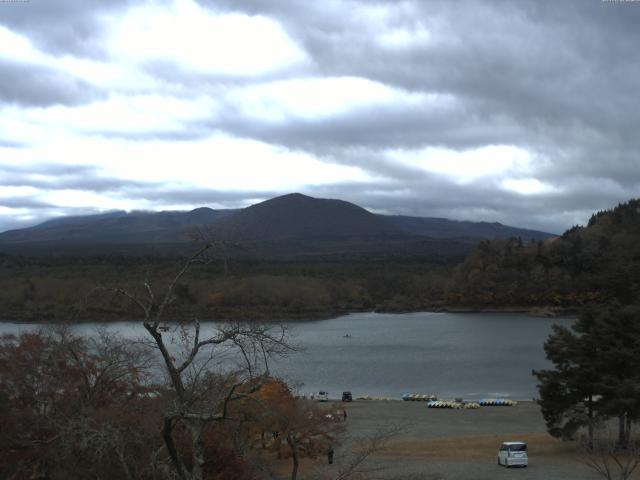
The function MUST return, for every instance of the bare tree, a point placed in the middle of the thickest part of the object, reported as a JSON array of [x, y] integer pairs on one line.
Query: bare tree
[[609, 459], [355, 465], [304, 428], [203, 391], [220, 245]]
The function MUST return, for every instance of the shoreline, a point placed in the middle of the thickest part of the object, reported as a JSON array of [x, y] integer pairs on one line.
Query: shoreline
[[536, 312]]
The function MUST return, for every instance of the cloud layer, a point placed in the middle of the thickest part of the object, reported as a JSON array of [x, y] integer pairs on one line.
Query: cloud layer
[[519, 112]]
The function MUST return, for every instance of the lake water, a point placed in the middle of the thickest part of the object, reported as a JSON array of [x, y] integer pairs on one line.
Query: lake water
[[471, 355]]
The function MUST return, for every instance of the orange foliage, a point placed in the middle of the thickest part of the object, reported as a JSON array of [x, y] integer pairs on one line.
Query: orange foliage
[[274, 391], [215, 298]]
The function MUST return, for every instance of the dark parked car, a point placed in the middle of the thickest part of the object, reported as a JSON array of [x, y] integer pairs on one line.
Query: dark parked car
[[347, 397]]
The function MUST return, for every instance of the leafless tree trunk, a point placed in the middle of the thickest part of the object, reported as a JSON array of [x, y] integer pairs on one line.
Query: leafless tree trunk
[[294, 456], [363, 447], [621, 429], [199, 398], [590, 421]]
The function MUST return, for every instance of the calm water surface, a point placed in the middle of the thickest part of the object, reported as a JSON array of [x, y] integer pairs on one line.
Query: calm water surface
[[471, 355]]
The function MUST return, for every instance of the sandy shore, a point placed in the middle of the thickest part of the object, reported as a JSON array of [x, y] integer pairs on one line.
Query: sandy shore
[[458, 444]]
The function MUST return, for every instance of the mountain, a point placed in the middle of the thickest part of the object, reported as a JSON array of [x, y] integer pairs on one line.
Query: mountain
[[472, 231], [115, 228], [291, 225], [297, 216]]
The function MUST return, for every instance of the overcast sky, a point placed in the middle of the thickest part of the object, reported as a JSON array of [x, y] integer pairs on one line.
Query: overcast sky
[[522, 112]]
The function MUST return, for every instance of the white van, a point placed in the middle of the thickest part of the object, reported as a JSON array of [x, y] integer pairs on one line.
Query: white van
[[513, 454], [323, 396]]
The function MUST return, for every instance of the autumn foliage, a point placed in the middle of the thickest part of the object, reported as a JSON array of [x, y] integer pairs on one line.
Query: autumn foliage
[[75, 408], [70, 407]]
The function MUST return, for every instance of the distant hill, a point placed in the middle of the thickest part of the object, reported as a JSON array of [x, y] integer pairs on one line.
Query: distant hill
[[297, 216], [116, 228], [472, 231], [290, 225]]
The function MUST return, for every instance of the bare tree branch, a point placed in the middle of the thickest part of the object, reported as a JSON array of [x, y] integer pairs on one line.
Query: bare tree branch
[[202, 395], [364, 447], [607, 458]]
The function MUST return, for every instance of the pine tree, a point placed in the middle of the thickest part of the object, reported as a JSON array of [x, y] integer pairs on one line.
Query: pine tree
[[568, 393], [596, 375], [617, 332]]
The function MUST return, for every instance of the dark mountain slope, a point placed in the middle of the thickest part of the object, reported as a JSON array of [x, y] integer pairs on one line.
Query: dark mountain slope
[[116, 228], [290, 226], [297, 216], [474, 231]]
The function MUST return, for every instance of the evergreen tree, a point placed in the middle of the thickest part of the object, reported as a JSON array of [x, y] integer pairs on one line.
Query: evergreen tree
[[596, 374], [567, 393], [617, 332]]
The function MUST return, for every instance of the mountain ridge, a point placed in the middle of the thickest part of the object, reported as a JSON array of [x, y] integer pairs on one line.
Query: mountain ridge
[[329, 225], [300, 216]]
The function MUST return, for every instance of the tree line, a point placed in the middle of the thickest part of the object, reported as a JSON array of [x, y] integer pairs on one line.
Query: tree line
[[599, 263], [37, 289]]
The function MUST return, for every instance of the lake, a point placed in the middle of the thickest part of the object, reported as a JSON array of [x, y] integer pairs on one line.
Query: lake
[[469, 355]]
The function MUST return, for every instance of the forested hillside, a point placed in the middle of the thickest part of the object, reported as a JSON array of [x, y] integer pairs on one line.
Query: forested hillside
[[599, 262], [60, 288]]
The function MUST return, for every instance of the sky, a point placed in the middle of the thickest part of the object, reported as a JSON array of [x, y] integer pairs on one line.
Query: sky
[[520, 112]]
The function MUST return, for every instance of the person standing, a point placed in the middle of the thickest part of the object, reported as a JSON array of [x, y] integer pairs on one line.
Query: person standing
[[330, 455]]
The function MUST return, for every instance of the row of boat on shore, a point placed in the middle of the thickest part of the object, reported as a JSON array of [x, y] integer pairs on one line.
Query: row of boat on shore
[[433, 401]]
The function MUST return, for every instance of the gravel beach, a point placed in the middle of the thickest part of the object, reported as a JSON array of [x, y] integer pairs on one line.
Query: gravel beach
[[459, 444]]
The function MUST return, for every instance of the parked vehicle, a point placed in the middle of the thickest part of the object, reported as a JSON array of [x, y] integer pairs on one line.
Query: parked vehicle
[[513, 454], [347, 397], [323, 396]]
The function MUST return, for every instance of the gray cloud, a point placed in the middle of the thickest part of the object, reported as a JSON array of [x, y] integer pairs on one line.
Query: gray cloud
[[387, 126], [205, 197], [557, 79], [62, 26], [64, 177], [9, 143], [32, 85], [23, 202], [544, 63], [52, 177]]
